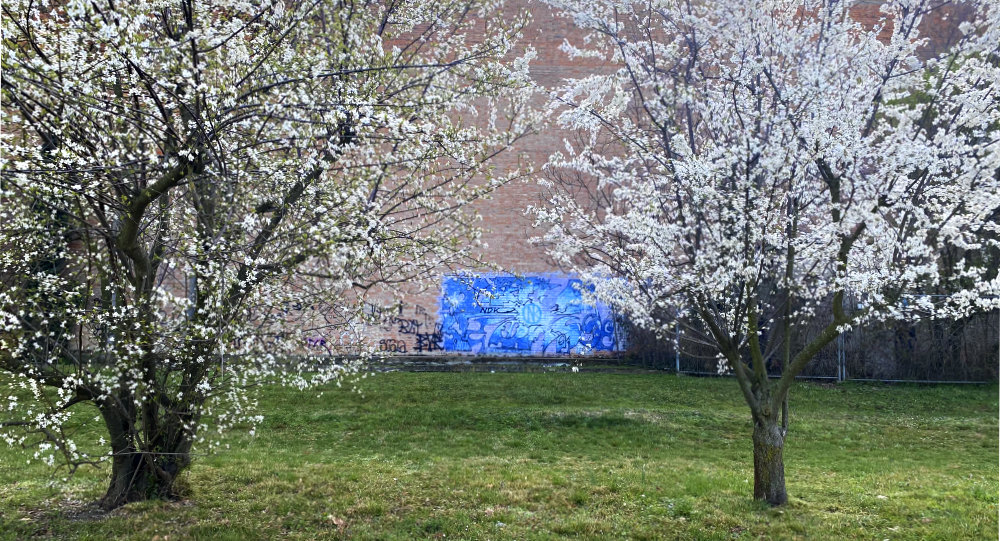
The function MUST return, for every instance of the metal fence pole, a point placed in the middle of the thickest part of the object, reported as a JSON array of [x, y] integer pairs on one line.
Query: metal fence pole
[[841, 364], [677, 348], [192, 295]]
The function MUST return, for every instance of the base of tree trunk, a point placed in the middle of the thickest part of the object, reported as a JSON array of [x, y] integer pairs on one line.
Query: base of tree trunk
[[768, 463], [133, 479]]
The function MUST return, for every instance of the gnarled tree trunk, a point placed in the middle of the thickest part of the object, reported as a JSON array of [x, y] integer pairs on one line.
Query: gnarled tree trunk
[[143, 469], [768, 461], [137, 476]]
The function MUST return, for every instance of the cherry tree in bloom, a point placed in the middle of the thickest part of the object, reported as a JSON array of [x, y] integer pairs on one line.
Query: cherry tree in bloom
[[753, 165], [177, 173]]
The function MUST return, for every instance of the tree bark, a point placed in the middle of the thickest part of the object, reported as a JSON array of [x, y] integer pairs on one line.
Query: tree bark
[[768, 461], [141, 472], [135, 476]]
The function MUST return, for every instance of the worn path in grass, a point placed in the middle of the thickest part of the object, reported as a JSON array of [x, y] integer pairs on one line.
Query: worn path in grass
[[557, 455]]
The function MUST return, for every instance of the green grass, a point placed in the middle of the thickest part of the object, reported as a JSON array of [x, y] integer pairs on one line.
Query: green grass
[[545, 456]]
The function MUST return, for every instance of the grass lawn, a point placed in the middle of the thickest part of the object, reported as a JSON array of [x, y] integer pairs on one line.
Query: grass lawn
[[554, 455]]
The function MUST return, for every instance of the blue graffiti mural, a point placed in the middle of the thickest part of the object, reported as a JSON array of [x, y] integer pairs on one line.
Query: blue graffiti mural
[[541, 314]]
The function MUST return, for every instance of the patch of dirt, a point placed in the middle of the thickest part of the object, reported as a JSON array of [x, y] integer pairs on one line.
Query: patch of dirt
[[83, 511], [76, 510]]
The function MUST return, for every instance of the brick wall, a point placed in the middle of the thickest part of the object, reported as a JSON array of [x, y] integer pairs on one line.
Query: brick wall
[[415, 322]]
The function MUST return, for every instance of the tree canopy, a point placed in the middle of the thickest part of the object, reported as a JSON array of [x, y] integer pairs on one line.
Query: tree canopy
[[752, 166], [175, 173]]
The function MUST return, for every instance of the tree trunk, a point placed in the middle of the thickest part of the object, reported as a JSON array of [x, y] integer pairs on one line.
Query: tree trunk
[[768, 462], [139, 476], [142, 470]]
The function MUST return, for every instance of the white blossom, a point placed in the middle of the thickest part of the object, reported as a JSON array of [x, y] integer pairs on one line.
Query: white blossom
[[189, 190]]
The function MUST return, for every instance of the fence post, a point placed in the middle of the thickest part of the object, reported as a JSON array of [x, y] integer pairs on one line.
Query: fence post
[[192, 295], [841, 364], [677, 348]]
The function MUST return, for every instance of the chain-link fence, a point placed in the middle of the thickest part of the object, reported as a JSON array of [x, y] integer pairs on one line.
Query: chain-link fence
[[927, 350]]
